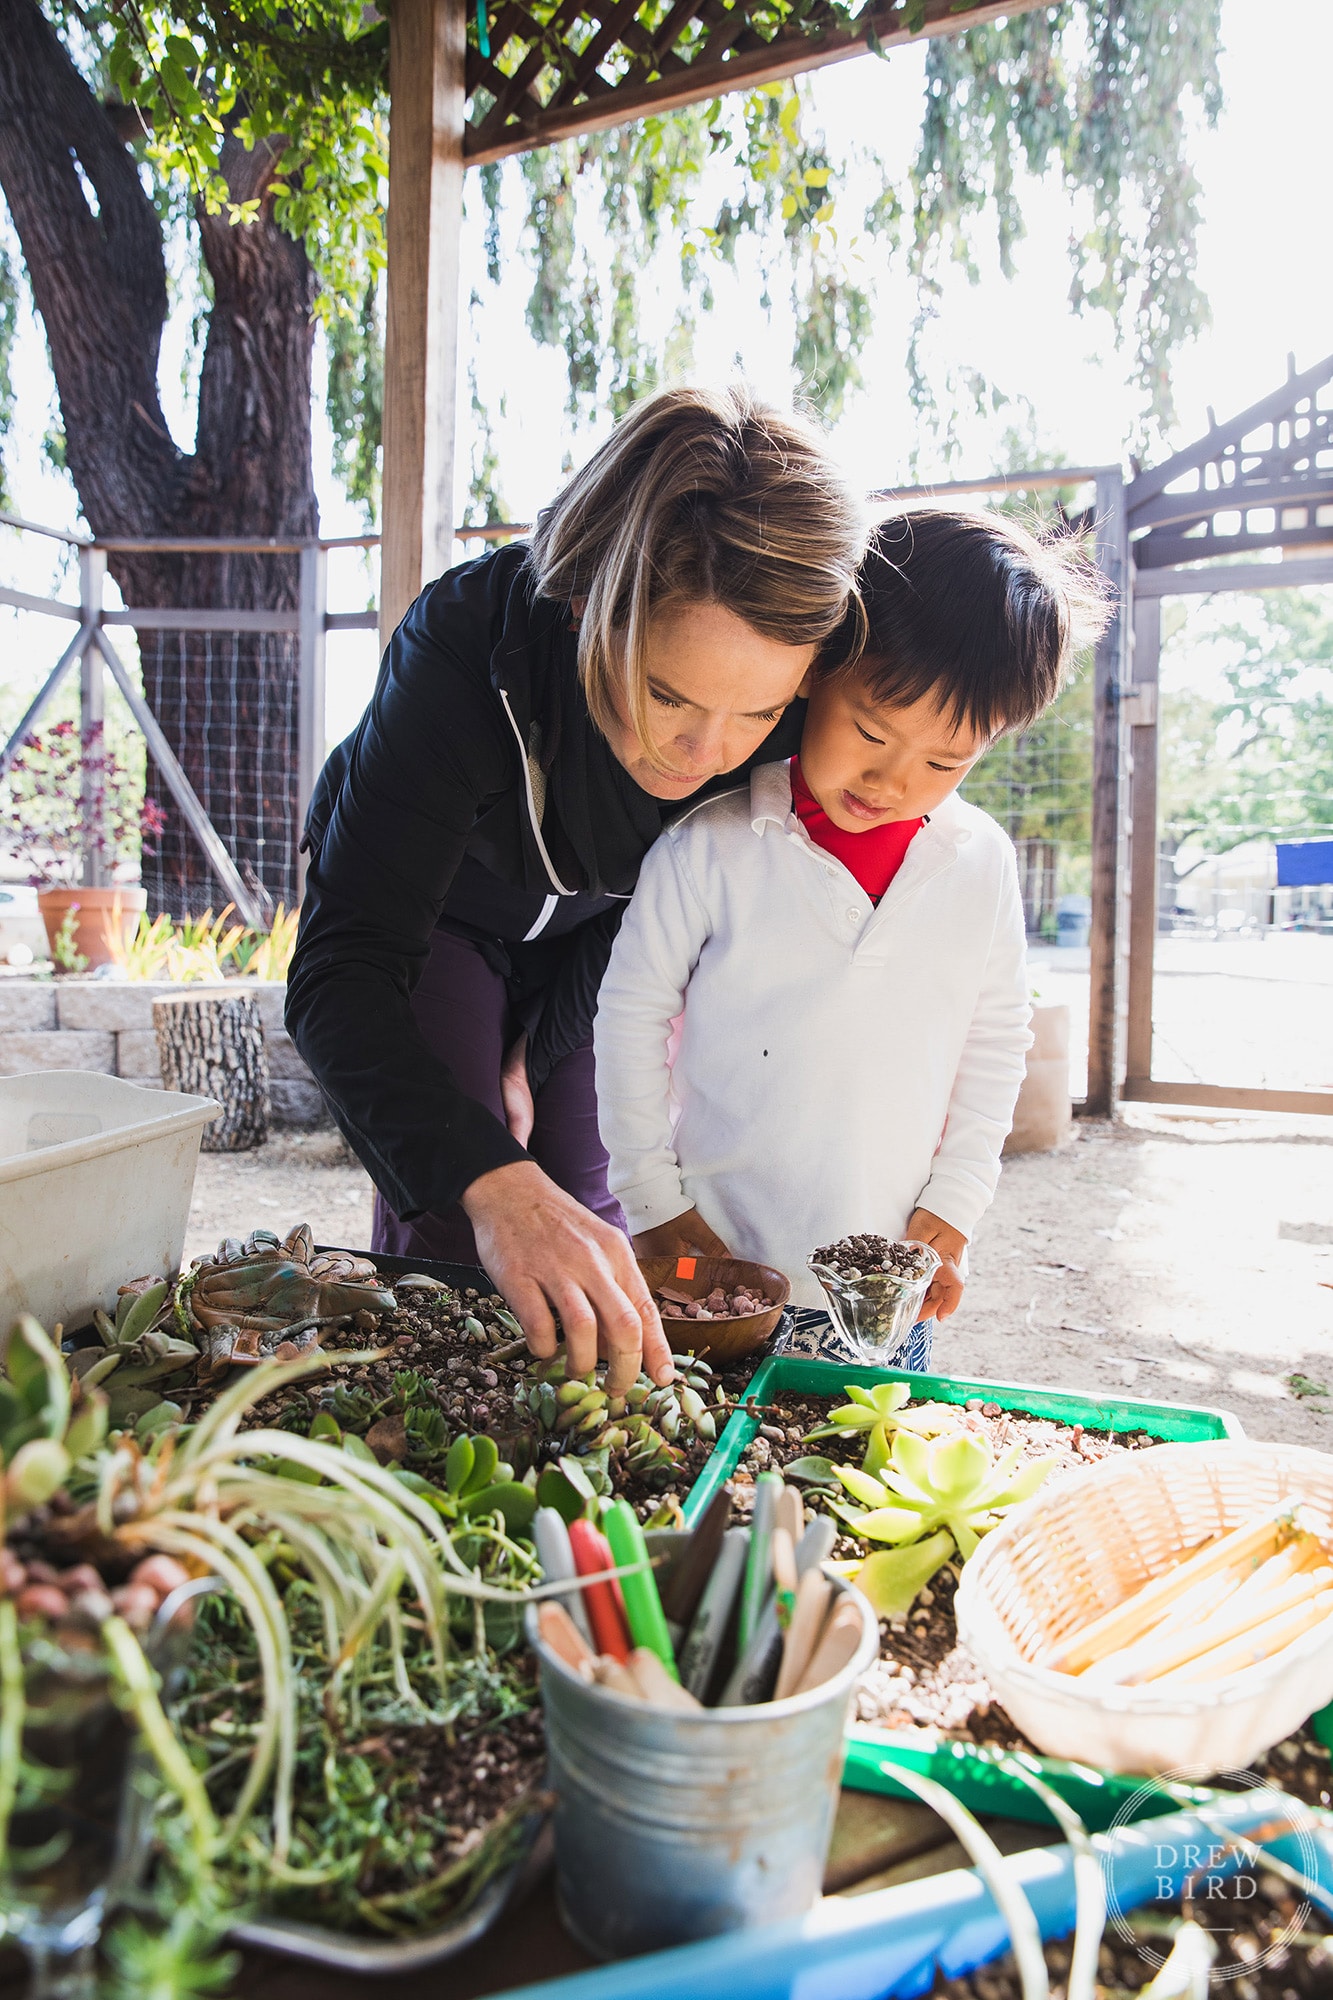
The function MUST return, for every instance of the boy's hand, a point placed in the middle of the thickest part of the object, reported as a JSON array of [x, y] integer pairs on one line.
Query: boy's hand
[[946, 1290], [683, 1235]]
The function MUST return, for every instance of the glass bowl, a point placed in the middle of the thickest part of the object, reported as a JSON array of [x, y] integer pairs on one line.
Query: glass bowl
[[877, 1310]]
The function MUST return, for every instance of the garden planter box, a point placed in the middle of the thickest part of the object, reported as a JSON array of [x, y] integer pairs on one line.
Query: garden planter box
[[107, 1025], [968, 1769]]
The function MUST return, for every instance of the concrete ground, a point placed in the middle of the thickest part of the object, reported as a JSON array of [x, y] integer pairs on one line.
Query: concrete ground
[[1180, 1259]]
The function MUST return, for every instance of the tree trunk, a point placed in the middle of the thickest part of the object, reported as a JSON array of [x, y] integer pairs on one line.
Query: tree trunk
[[212, 1045], [227, 703]]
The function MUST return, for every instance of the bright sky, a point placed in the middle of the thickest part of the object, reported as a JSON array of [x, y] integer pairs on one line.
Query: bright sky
[[1261, 264]]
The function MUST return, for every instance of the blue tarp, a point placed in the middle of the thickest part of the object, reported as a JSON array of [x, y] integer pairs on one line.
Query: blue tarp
[[1304, 864]]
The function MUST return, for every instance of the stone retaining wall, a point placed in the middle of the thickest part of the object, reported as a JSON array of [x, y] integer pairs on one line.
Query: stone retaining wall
[[107, 1025]]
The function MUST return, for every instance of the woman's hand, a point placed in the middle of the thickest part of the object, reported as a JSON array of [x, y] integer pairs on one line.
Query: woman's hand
[[946, 1287], [677, 1238], [516, 1091], [548, 1255]]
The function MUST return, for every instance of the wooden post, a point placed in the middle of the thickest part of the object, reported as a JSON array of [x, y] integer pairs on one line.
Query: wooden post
[[211, 1044], [1109, 808], [310, 702], [427, 41], [92, 717], [1143, 709]]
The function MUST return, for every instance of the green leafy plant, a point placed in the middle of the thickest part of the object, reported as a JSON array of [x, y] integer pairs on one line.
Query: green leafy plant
[[64, 945], [930, 1500], [43, 1434], [640, 1429], [138, 1351]]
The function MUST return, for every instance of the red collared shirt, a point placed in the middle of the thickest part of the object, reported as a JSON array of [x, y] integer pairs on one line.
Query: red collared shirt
[[873, 857]]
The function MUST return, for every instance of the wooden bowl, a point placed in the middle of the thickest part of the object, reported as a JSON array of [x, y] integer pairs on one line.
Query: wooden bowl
[[718, 1340]]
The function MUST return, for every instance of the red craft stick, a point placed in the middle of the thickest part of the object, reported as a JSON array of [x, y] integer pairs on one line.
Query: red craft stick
[[604, 1602]]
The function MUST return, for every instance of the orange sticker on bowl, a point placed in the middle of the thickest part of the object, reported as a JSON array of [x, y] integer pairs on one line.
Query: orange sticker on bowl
[[685, 1266]]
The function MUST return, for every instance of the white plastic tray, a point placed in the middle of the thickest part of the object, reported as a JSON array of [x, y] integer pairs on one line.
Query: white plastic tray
[[95, 1184]]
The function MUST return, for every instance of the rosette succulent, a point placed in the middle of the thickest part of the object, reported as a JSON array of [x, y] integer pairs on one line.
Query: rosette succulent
[[932, 1498]]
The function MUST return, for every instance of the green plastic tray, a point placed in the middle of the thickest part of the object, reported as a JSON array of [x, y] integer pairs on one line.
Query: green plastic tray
[[970, 1772]]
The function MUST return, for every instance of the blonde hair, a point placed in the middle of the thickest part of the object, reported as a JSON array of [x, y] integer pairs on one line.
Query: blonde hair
[[698, 496]]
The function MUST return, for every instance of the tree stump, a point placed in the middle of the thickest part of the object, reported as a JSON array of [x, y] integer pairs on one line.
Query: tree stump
[[211, 1044]]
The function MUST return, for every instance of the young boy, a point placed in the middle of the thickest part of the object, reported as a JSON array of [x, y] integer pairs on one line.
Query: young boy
[[845, 936]]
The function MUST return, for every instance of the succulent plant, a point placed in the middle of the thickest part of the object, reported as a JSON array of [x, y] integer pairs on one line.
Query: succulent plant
[[641, 1429], [138, 1350], [930, 1499], [44, 1431], [878, 1412]]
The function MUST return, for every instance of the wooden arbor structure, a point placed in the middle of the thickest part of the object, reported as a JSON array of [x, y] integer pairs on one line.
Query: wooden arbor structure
[[547, 73], [1260, 486]]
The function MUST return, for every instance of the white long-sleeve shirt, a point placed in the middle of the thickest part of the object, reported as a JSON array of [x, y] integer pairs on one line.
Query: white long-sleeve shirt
[[838, 1064]]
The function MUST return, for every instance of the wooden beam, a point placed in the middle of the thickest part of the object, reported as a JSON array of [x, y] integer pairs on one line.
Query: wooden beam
[[1143, 865], [1293, 575], [1223, 1097], [788, 54], [1109, 808], [427, 47]]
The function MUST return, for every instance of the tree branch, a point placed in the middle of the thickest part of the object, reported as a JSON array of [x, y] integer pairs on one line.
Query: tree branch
[[97, 274]]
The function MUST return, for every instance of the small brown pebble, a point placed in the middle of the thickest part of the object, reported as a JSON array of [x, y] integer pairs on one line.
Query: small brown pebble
[[81, 1577], [41, 1600], [137, 1604], [13, 1573], [43, 1572], [92, 1607], [162, 1574]]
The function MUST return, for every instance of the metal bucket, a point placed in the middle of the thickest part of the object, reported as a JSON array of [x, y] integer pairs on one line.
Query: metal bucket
[[671, 1826]]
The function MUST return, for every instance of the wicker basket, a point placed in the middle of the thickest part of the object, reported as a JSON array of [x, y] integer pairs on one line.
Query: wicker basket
[[1074, 1552]]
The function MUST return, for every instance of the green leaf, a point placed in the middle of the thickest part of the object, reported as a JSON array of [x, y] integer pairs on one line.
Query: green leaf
[[891, 1578], [810, 1471], [459, 1463], [37, 1372], [516, 1503], [143, 1311], [37, 1470], [325, 1425], [958, 1466], [305, 1475], [356, 1447], [892, 1524], [88, 1426], [486, 1456], [556, 1488], [870, 1492], [160, 1418], [879, 1451]]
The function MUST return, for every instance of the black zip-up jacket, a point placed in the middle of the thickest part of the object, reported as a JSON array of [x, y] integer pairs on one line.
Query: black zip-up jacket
[[431, 813]]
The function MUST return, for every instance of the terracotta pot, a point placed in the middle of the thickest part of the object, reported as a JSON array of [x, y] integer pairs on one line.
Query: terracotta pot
[[1043, 1116], [101, 912]]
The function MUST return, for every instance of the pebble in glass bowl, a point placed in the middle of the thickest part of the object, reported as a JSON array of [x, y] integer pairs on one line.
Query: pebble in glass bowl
[[876, 1289]]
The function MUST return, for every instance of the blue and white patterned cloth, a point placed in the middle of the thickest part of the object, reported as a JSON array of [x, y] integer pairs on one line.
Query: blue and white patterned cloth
[[808, 1332]]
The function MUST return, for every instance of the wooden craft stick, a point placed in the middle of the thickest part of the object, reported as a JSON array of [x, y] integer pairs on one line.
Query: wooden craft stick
[[614, 1674], [789, 1513], [564, 1638], [1153, 1657], [1136, 1614], [814, 1596], [657, 1684], [837, 1645], [1259, 1644]]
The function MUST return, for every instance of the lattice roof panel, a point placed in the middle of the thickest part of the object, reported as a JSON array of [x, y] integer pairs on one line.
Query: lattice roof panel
[[581, 65], [1262, 481]]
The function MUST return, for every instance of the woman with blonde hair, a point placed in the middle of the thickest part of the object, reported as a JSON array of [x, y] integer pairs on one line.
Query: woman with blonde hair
[[539, 714]]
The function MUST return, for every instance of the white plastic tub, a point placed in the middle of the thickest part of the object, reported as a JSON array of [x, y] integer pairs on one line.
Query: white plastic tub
[[95, 1184]]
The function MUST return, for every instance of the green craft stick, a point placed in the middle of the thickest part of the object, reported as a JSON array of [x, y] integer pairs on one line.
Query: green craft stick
[[643, 1603], [759, 1564]]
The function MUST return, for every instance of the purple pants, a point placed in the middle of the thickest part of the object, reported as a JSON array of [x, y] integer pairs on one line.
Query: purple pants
[[462, 1009]]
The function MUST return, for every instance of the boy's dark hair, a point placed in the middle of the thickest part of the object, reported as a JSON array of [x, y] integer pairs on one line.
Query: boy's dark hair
[[975, 610]]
